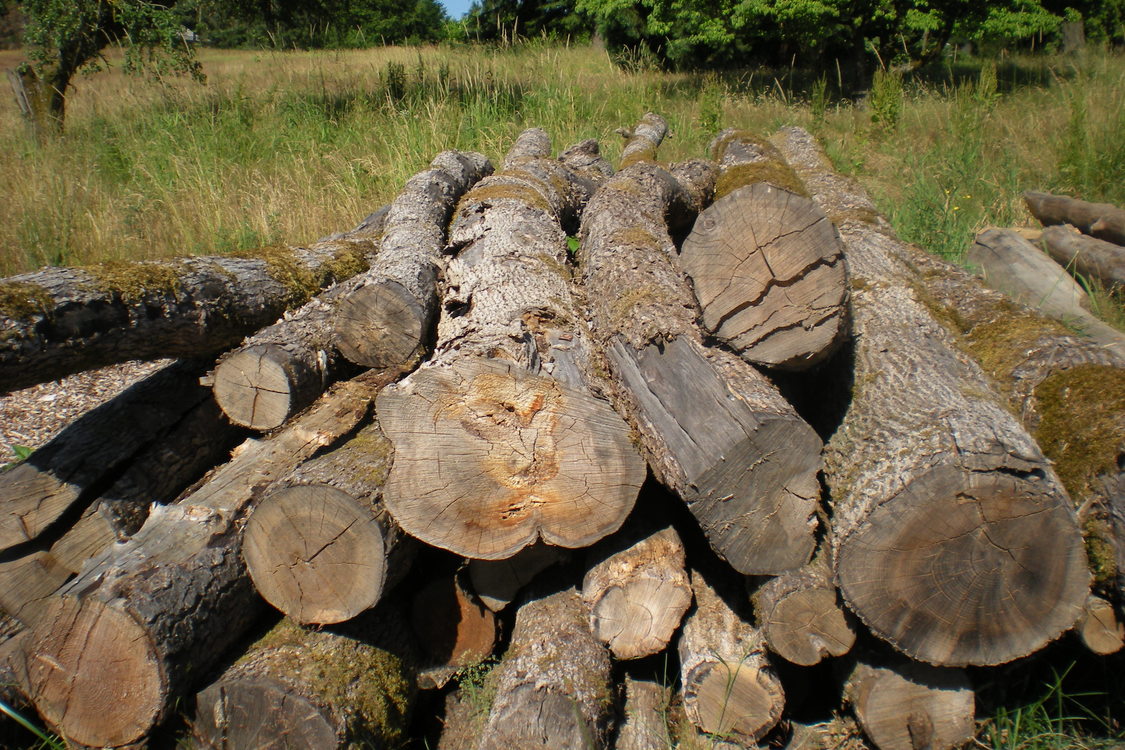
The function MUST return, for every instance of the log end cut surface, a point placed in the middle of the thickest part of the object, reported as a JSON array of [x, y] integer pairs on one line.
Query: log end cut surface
[[256, 388], [912, 706], [381, 326], [959, 570], [86, 656], [733, 699], [808, 627], [262, 714]]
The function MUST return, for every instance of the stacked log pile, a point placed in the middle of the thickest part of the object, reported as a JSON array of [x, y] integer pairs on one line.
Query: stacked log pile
[[457, 536]]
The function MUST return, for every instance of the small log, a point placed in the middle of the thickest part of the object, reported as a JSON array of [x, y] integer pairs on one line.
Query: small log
[[352, 687], [320, 547], [553, 686], [465, 713], [497, 582], [713, 428], [1089, 256], [801, 617], [765, 262], [728, 686], [498, 439], [952, 537], [645, 726], [152, 615], [1099, 627], [1101, 220], [904, 705], [454, 629], [386, 321], [643, 141], [69, 471], [637, 593]]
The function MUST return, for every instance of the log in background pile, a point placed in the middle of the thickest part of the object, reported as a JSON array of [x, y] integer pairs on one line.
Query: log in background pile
[[859, 467]]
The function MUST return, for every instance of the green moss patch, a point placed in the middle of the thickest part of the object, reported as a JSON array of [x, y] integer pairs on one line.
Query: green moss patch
[[133, 282], [776, 173], [999, 344], [20, 300], [859, 215], [1098, 535], [350, 260], [647, 154], [495, 190]]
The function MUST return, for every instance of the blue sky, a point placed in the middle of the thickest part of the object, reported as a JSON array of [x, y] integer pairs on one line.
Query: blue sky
[[456, 8]]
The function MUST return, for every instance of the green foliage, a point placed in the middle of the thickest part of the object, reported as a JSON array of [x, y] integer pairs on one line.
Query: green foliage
[[886, 99], [508, 20]]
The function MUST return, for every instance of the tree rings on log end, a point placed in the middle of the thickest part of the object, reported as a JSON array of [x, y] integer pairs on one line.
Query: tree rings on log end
[[768, 271], [261, 713], [734, 700], [316, 553], [94, 675], [262, 386], [381, 326], [910, 705], [966, 568], [489, 458], [809, 626]]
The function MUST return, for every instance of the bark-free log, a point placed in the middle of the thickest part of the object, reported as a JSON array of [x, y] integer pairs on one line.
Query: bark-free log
[[318, 547], [1099, 627], [1089, 256], [152, 615], [765, 262], [1101, 220], [498, 440], [497, 582], [645, 724], [386, 322], [27, 583], [454, 629], [298, 688], [553, 686], [713, 428], [728, 686], [638, 593], [952, 536]]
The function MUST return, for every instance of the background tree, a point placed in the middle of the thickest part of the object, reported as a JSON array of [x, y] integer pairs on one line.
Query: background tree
[[492, 20]]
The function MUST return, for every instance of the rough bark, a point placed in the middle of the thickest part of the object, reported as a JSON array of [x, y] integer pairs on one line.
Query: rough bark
[[643, 141], [353, 687], [1101, 220], [801, 617], [728, 687], [386, 321], [904, 705], [1099, 627], [498, 439], [1089, 256], [638, 593], [713, 428], [497, 582], [553, 685], [152, 615], [645, 726], [765, 262], [952, 536], [58, 321], [454, 629], [320, 547]]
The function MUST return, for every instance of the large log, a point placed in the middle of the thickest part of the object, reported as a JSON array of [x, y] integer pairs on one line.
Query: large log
[[1101, 220], [1089, 256], [645, 722], [953, 538], [58, 321], [553, 685], [349, 687], [498, 439], [713, 429], [26, 584], [765, 262], [152, 615]]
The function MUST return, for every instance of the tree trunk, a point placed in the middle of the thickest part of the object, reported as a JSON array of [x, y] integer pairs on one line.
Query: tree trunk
[[353, 687], [638, 593], [728, 687], [1088, 256], [152, 615], [553, 686], [645, 726], [713, 429], [454, 629], [952, 537], [504, 407], [1099, 627], [58, 321], [497, 582], [41, 99], [1101, 220], [765, 262]]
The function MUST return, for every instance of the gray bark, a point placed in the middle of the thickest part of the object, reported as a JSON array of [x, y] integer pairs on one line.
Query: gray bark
[[1101, 220]]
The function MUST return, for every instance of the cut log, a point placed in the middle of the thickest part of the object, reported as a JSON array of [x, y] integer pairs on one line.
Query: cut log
[[713, 429], [498, 439], [553, 685], [801, 617], [454, 629], [1099, 627], [320, 547], [645, 726], [152, 615], [1089, 256], [497, 582], [637, 593], [58, 321], [27, 583], [353, 687], [643, 141], [904, 705], [1101, 220], [13, 666], [765, 262], [952, 537], [728, 687], [72, 469]]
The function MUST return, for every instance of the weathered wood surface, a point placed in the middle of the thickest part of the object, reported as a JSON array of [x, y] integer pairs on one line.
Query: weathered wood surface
[[498, 439], [1100, 628], [765, 262], [713, 429], [727, 684], [453, 628], [637, 592], [1089, 256], [152, 615], [1101, 220], [301, 688], [497, 582], [953, 538], [26, 584], [553, 685], [904, 705], [645, 719]]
